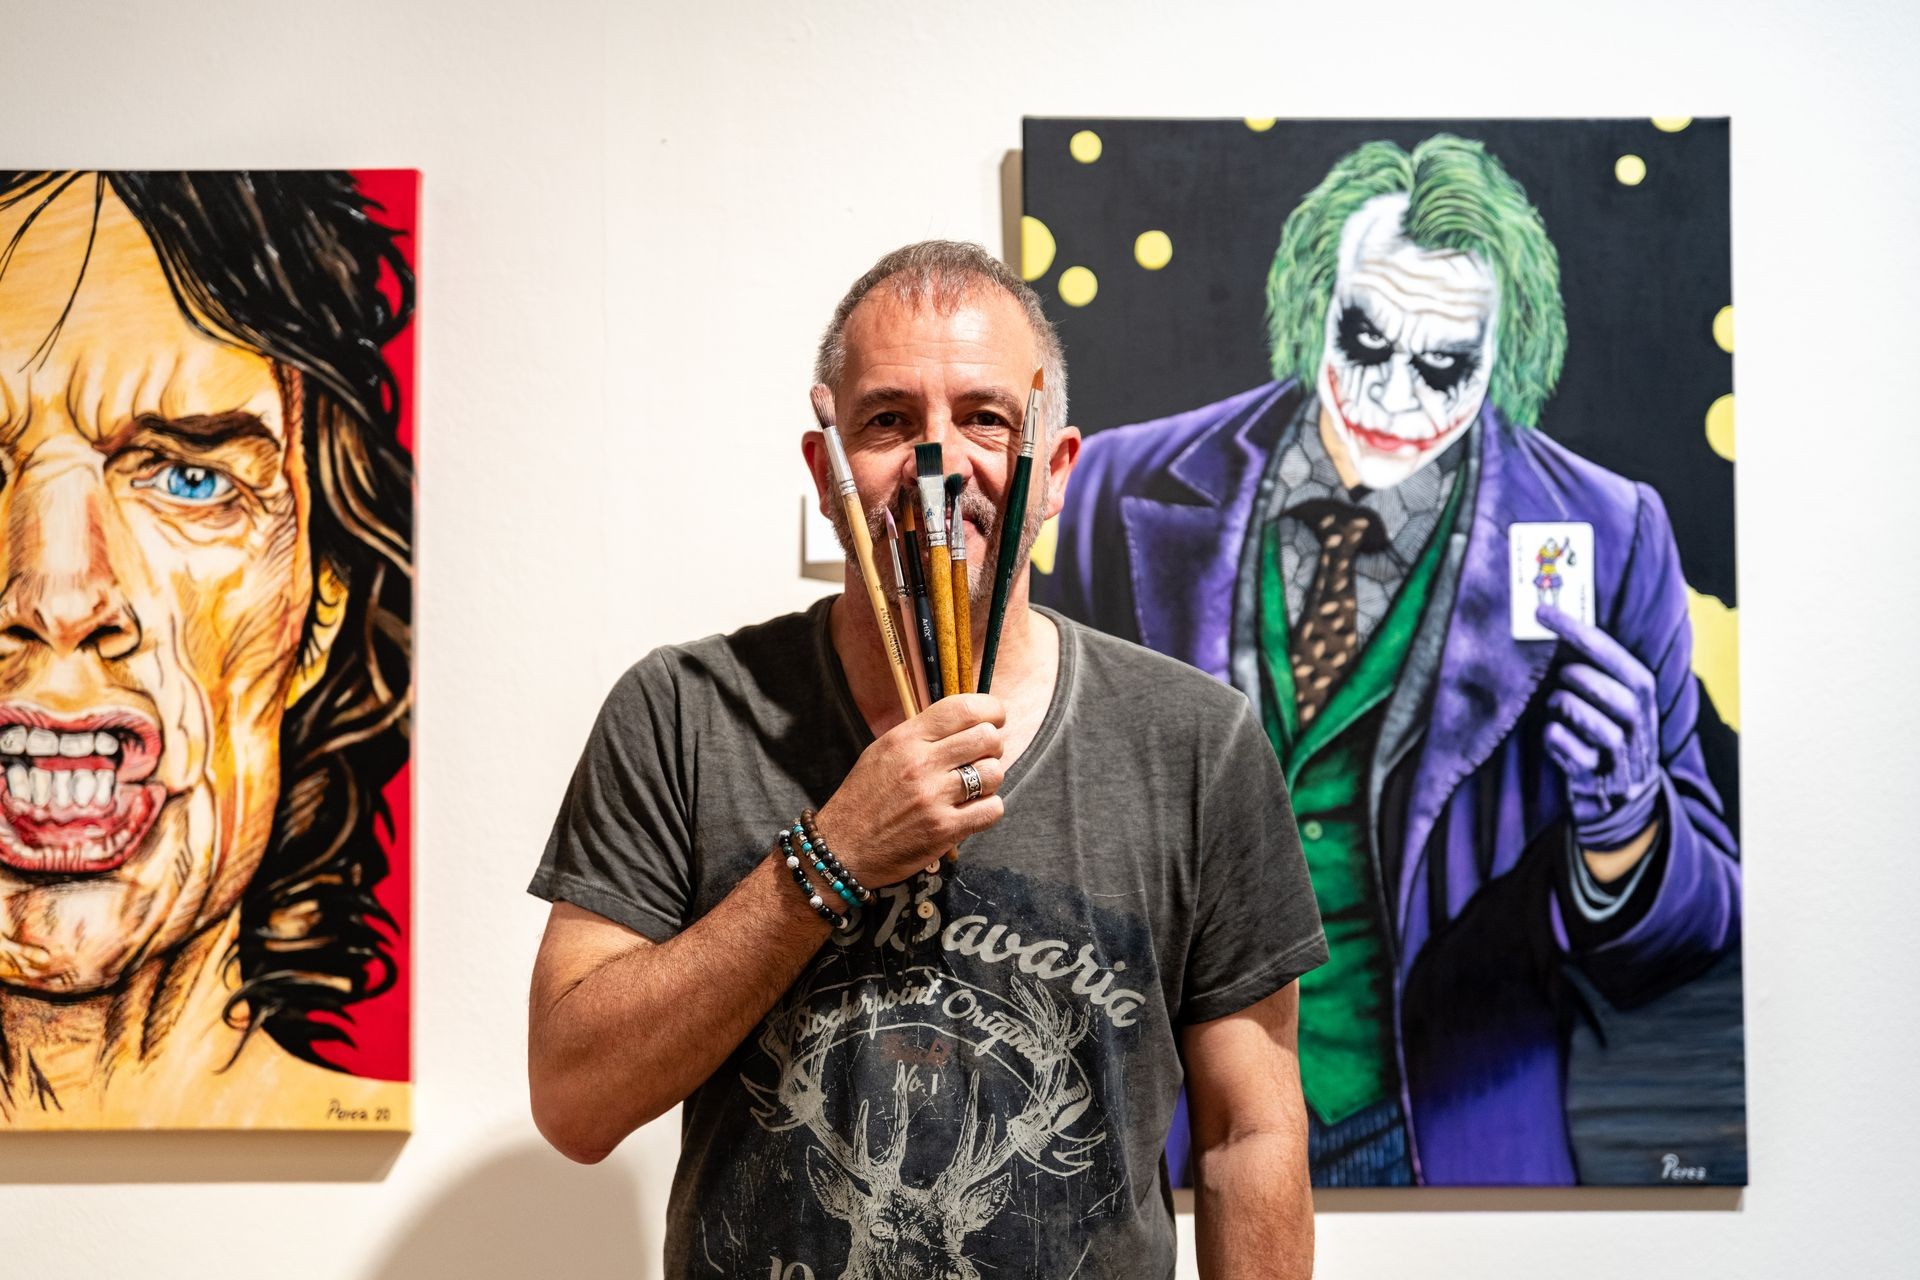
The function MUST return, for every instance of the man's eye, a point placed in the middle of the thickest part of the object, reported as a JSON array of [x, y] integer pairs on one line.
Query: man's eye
[[1360, 340], [887, 421], [1444, 370], [185, 483]]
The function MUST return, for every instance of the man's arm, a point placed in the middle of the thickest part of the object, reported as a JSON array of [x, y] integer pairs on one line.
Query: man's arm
[[1253, 1204], [620, 1029]]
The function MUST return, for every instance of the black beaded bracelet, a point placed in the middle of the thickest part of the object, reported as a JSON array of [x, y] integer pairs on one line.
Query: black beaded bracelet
[[816, 844], [814, 899]]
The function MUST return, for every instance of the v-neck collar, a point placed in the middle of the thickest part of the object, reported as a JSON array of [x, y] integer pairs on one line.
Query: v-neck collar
[[858, 737]]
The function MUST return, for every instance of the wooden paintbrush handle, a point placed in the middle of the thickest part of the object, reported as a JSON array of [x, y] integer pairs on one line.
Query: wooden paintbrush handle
[[940, 585], [882, 613], [963, 624]]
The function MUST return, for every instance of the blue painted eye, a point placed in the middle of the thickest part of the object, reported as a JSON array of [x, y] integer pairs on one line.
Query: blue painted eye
[[188, 483]]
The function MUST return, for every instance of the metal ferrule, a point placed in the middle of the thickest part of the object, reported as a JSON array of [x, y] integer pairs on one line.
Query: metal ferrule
[[837, 463], [933, 509]]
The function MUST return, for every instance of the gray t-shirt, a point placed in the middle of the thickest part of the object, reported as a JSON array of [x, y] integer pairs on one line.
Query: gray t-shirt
[[976, 1083]]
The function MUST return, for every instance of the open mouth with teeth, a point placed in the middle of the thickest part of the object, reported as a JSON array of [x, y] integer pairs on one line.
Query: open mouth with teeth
[[75, 795]]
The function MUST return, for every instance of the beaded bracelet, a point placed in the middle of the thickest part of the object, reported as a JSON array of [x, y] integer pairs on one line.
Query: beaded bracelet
[[814, 899], [816, 844], [810, 854]]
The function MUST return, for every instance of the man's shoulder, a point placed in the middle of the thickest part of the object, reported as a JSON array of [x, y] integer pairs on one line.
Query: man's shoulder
[[1141, 682], [776, 649]]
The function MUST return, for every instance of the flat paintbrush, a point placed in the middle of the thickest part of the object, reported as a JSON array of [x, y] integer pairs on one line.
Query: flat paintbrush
[[962, 587], [863, 548], [922, 612], [1013, 521], [933, 506]]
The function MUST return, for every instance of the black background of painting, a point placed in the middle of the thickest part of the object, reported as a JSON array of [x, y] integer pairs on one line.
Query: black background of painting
[[1644, 270]]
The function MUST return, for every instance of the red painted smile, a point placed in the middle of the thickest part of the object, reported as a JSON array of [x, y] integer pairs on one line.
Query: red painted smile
[[75, 791], [1383, 441]]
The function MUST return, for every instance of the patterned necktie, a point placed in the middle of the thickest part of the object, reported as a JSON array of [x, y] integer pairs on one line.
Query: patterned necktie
[[1325, 640]]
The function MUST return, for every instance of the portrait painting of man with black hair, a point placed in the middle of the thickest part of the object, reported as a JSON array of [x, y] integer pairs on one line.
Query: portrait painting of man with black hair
[[1452, 514], [206, 498]]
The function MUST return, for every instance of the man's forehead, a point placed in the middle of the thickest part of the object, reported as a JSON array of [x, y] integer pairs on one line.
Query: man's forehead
[[1375, 251], [980, 333], [97, 334]]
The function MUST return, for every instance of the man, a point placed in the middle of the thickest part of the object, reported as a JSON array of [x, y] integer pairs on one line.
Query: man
[[205, 525], [1478, 811], [975, 1077]]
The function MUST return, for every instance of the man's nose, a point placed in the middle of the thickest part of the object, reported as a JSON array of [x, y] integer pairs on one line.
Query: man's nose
[[61, 592], [1397, 394], [954, 459]]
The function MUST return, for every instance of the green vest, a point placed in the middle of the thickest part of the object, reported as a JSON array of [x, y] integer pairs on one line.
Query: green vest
[[1346, 1008]]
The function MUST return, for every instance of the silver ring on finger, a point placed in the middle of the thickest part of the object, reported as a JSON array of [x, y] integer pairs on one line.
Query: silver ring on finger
[[970, 779]]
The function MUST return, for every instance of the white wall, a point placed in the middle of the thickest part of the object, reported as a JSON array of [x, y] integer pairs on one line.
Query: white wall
[[636, 218]]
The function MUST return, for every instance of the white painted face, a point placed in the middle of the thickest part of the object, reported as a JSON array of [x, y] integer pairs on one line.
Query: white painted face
[[1410, 345]]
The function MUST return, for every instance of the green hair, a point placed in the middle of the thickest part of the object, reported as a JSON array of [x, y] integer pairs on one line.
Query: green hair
[[1459, 198]]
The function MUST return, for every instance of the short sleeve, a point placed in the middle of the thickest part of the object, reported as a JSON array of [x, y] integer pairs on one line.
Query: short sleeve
[[620, 846], [1257, 927]]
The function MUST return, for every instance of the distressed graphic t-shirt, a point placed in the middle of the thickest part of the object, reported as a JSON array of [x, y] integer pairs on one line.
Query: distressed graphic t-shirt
[[975, 1084]]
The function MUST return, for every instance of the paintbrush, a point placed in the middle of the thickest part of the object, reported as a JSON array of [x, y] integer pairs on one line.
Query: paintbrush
[[1013, 520], [903, 602], [962, 588], [863, 548], [933, 506], [922, 611]]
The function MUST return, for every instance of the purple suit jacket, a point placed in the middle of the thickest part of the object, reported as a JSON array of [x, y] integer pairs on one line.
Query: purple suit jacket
[[1471, 827]]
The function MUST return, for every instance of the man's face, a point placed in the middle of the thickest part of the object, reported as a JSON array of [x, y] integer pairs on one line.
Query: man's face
[[1409, 348], [959, 379], [153, 516]]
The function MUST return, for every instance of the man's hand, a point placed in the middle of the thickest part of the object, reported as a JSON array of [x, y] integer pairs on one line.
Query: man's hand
[[904, 804], [1605, 737]]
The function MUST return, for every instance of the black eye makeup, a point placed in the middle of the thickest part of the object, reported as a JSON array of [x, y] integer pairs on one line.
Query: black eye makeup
[[1444, 370], [1360, 339]]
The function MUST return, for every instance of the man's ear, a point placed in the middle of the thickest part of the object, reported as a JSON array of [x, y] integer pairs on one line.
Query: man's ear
[[329, 611], [813, 447], [1062, 452]]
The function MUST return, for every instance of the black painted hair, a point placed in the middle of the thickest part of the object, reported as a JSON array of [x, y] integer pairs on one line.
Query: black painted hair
[[291, 265]]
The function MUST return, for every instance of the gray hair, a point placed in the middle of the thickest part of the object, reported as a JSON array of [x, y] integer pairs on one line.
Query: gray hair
[[942, 273]]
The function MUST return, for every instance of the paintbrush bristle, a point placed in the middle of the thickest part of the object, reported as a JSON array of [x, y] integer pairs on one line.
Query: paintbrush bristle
[[893, 530], [1039, 379], [822, 396], [954, 485], [926, 457]]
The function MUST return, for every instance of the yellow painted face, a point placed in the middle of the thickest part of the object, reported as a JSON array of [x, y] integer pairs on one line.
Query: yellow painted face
[[153, 542]]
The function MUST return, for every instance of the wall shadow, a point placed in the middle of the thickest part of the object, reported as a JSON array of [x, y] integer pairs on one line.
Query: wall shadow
[[73, 1158], [526, 1211]]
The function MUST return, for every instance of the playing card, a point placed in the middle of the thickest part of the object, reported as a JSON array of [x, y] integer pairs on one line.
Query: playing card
[[1549, 562]]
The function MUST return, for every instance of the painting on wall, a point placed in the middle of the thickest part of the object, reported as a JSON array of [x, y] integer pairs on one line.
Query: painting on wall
[[1420, 433], [206, 531]]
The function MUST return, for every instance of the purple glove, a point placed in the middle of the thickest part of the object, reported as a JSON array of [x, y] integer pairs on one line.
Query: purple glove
[[1605, 734]]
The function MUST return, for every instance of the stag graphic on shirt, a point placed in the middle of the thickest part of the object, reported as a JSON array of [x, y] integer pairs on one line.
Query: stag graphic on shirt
[[900, 1231]]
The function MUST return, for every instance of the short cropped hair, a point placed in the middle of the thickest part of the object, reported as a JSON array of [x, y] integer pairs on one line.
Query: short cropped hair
[[942, 273], [1459, 198]]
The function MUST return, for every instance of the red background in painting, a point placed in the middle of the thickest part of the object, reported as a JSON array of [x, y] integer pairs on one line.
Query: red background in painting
[[382, 1027]]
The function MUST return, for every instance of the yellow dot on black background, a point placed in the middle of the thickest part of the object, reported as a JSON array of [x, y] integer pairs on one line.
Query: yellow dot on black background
[[1077, 286], [1720, 426], [1723, 329], [1260, 124], [1631, 170], [1084, 146], [1036, 248], [1671, 124], [1153, 249]]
